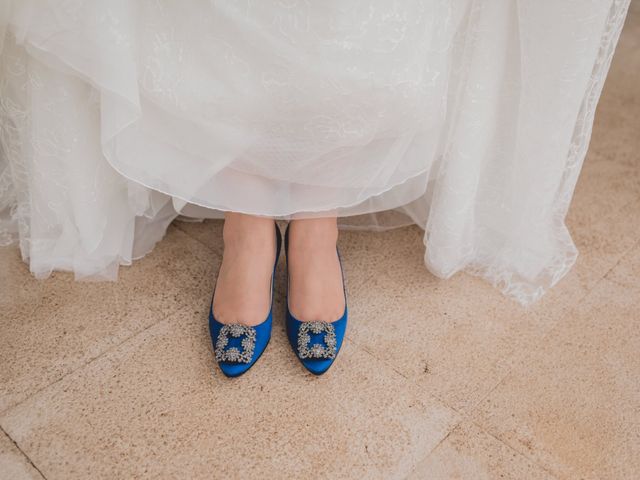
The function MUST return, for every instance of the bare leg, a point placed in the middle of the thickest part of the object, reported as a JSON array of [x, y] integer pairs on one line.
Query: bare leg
[[243, 288], [315, 288]]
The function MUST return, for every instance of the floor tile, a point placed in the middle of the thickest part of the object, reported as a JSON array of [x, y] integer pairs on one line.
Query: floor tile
[[572, 404], [606, 185], [51, 327], [627, 271], [453, 337], [20, 292], [622, 81], [470, 453], [602, 243], [13, 464], [208, 232]]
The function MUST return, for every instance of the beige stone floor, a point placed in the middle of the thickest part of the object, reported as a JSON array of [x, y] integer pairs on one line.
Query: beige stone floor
[[437, 379]]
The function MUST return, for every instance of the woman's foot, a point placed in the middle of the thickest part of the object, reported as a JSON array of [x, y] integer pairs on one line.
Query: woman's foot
[[243, 288], [316, 292]]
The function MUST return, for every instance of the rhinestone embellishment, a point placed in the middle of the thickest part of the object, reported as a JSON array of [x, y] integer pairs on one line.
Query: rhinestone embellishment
[[316, 350], [234, 354]]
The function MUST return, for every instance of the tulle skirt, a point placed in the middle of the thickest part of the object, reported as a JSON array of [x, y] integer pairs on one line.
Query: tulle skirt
[[469, 118]]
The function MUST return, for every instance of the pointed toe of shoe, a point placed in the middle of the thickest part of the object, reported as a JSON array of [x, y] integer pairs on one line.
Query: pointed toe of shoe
[[317, 367], [247, 343], [234, 369], [329, 336]]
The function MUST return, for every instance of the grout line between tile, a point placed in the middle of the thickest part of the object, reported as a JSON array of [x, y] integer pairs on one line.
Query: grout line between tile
[[168, 314], [442, 440], [622, 257], [177, 226], [370, 352], [85, 364], [510, 447], [427, 395], [469, 413], [570, 310], [395, 369], [23, 453]]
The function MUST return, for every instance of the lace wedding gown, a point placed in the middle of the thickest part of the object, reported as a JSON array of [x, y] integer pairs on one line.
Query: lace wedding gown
[[470, 118]]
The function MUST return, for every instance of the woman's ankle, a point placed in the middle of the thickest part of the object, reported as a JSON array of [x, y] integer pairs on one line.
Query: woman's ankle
[[247, 229], [313, 232]]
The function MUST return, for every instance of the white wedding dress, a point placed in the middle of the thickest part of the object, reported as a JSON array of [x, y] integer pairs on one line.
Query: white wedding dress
[[470, 118]]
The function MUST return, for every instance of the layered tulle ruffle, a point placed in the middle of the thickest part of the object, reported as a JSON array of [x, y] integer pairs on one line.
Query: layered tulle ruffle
[[470, 119]]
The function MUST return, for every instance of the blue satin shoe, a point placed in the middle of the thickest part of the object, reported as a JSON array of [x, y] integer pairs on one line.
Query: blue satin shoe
[[316, 344], [237, 347]]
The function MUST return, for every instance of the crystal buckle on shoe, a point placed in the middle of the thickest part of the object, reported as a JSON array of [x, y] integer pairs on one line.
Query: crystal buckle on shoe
[[316, 350], [234, 354]]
